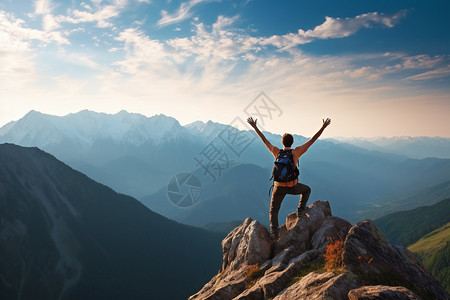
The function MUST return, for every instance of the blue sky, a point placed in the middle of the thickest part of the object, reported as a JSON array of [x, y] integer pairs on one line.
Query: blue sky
[[376, 68]]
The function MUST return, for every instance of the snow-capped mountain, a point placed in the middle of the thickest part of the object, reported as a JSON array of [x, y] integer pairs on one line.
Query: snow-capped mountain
[[87, 127], [208, 129], [128, 151]]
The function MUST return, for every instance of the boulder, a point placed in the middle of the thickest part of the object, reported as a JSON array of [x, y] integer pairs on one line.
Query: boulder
[[319, 286], [369, 256], [332, 229], [273, 283], [223, 286], [382, 292], [298, 231], [249, 243]]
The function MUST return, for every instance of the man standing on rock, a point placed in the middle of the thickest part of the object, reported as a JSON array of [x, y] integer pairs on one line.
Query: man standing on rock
[[293, 187]]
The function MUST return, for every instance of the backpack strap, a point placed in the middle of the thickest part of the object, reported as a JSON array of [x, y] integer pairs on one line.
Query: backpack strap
[[271, 188]]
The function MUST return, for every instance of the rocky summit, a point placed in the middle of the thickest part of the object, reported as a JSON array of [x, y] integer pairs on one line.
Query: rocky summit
[[318, 256]]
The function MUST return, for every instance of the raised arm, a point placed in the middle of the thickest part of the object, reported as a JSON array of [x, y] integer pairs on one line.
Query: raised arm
[[260, 134], [318, 133]]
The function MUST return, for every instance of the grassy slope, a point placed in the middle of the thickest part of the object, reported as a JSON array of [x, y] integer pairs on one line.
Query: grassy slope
[[427, 230], [432, 241], [434, 251], [406, 227]]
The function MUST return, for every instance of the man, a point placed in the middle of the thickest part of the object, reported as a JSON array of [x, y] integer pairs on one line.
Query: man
[[292, 187]]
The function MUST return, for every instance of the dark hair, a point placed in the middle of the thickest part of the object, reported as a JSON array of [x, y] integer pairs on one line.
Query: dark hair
[[287, 140]]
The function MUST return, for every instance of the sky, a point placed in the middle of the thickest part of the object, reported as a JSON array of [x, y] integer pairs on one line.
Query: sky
[[376, 68]]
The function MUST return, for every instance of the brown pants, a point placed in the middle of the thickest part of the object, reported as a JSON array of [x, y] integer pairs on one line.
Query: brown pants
[[278, 194]]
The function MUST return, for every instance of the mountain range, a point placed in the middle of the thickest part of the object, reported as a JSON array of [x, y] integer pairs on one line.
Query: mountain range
[[413, 147], [65, 236], [140, 155]]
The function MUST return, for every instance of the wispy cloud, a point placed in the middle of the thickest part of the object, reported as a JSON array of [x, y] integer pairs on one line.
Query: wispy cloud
[[432, 74], [183, 12], [334, 28], [223, 59], [100, 14], [18, 36], [223, 44], [217, 44], [143, 53]]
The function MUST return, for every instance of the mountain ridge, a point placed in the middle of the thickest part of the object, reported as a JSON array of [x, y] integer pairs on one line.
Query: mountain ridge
[[414, 147], [64, 236]]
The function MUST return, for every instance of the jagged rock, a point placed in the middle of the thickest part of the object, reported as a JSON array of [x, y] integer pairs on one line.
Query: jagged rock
[[223, 286], [333, 229], [367, 259], [280, 261], [249, 242], [253, 293], [382, 292], [273, 283], [369, 256], [298, 231], [319, 286]]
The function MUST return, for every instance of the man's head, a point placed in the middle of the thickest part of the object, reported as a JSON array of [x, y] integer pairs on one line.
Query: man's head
[[287, 140]]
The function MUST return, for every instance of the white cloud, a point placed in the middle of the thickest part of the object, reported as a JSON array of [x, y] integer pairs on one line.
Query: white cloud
[[333, 28], [213, 54], [217, 45], [222, 22], [42, 7], [101, 15], [49, 23], [18, 69], [182, 13], [223, 44], [217, 62], [143, 53], [433, 74], [19, 36], [420, 61]]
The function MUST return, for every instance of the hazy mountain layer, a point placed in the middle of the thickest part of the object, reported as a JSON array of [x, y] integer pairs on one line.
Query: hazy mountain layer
[[414, 147], [139, 156]]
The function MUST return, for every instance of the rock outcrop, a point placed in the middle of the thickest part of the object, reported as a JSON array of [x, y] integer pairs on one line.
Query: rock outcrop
[[381, 292], [318, 256]]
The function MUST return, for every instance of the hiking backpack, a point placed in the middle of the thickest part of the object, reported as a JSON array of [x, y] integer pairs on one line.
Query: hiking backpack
[[284, 169]]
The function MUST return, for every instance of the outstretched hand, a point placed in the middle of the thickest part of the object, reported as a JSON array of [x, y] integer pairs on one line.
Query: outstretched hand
[[326, 122], [252, 122]]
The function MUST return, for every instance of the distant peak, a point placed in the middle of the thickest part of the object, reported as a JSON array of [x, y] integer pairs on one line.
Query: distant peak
[[123, 112], [162, 116], [195, 123], [34, 113]]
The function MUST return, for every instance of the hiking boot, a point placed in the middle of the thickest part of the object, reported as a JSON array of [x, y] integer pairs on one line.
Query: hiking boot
[[301, 211], [274, 234]]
